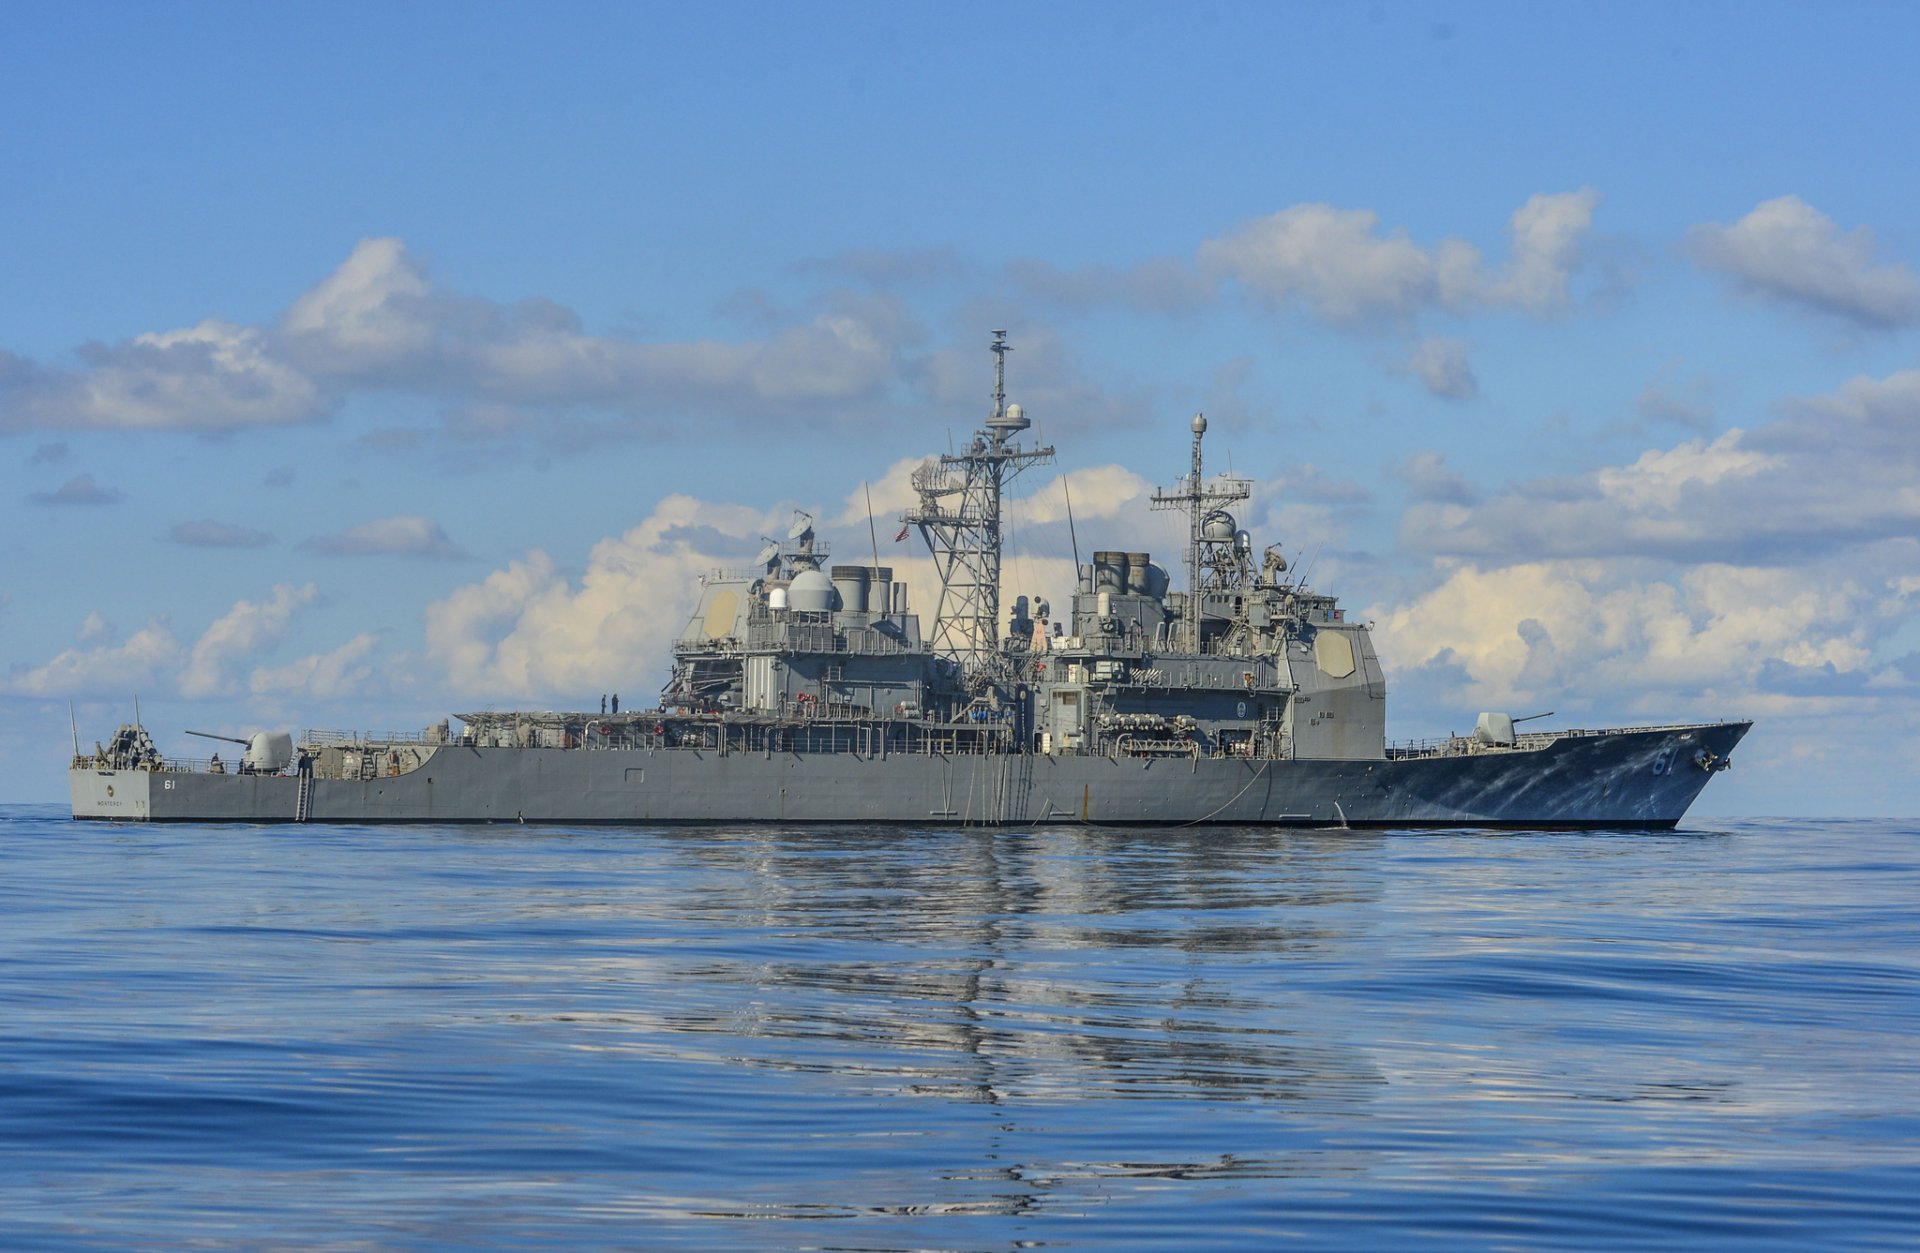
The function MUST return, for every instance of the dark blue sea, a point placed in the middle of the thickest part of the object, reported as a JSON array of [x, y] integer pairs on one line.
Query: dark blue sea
[[331, 1037]]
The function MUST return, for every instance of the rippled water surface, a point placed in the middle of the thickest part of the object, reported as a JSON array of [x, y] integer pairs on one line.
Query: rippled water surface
[[341, 1037]]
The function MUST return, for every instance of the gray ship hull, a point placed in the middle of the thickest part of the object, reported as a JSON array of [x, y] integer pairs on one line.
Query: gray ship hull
[[1631, 778]]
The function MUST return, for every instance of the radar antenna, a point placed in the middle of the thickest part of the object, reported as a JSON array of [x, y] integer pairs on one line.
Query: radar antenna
[[959, 518]]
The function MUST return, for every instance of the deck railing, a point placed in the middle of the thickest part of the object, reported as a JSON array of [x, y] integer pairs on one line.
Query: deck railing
[[323, 739]]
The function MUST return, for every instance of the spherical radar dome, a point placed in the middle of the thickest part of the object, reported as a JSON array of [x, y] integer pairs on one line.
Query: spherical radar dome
[[810, 592]]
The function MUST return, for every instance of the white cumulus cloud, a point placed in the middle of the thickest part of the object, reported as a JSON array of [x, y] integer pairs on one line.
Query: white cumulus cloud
[[238, 634], [1543, 242], [1095, 493], [1620, 635], [211, 376], [1659, 478], [154, 660], [1838, 470], [1340, 264], [380, 322], [528, 631], [379, 318], [1787, 250], [105, 668], [1442, 367], [1771, 570], [1336, 262], [405, 535], [343, 671], [373, 312]]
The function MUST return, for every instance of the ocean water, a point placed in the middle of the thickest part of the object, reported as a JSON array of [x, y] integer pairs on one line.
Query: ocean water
[[233, 1037]]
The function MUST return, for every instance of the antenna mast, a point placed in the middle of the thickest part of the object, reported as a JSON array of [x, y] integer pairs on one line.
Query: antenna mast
[[959, 518], [999, 348], [1210, 556]]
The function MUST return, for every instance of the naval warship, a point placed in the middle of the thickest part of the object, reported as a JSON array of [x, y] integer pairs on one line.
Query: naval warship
[[808, 691]]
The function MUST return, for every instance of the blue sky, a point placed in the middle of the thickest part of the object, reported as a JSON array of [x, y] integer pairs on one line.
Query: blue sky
[[359, 365]]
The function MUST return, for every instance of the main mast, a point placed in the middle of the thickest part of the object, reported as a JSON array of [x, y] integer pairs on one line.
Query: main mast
[[959, 518]]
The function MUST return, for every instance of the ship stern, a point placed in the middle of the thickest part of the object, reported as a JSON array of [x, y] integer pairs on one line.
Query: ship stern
[[111, 795]]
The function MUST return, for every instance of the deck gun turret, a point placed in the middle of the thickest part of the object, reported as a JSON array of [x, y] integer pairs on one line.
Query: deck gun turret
[[268, 752]]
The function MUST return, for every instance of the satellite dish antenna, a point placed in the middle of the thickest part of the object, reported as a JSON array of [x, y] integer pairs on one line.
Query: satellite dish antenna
[[802, 529], [769, 554]]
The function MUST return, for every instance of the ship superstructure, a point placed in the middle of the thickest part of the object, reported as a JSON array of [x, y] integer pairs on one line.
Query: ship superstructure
[[807, 690]]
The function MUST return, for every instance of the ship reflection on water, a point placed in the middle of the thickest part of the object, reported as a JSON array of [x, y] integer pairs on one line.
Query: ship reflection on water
[[1048, 974], [227, 1037]]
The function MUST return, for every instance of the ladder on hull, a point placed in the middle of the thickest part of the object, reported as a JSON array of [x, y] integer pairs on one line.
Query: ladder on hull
[[303, 799]]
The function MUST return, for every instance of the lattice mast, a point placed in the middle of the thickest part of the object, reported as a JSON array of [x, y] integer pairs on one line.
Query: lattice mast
[[959, 518], [1213, 558]]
